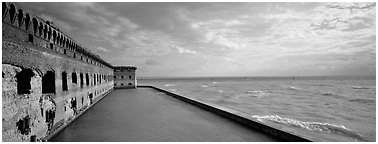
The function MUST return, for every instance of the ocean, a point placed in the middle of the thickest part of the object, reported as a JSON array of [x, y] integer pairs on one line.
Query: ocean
[[332, 108]]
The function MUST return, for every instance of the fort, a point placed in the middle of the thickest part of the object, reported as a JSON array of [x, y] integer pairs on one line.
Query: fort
[[49, 80]]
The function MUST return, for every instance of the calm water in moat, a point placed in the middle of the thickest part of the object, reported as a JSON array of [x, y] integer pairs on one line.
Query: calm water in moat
[[144, 114], [321, 108]]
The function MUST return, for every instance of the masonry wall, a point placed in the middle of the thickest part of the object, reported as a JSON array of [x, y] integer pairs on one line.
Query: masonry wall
[[46, 80]]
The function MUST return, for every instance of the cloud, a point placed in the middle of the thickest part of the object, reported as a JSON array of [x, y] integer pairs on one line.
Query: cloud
[[152, 62], [102, 49]]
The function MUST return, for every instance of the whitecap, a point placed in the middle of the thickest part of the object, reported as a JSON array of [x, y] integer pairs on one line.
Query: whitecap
[[312, 126], [292, 88], [214, 82], [169, 85], [204, 86], [358, 87], [220, 91], [172, 89]]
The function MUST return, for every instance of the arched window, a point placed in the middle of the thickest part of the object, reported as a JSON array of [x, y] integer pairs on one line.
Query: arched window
[[64, 81], [20, 17], [45, 32], [35, 26], [129, 77], [27, 21], [94, 79], [23, 81], [54, 36], [48, 83], [49, 34], [57, 39], [81, 80], [61, 40], [12, 12], [40, 28], [130, 84], [74, 78], [87, 79], [121, 77]]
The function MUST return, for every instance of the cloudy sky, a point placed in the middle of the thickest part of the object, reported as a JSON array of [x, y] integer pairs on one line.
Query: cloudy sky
[[224, 39]]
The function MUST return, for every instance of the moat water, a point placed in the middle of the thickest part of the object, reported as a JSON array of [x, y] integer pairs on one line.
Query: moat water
[[320, 108]]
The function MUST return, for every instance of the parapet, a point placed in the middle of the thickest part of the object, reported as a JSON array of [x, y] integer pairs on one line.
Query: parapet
[[124, 68], [33, 26]]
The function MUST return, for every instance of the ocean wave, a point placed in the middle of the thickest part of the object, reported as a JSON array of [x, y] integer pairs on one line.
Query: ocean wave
[[364, 101], [172, 89], [257, 93], [329, 94], [214, 82], [169, 85], [220, 91], [358, 87], [292, 88], [204, 86], [312, 126]]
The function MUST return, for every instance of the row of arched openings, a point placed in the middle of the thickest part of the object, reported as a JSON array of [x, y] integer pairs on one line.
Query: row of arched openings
[[48, 81]]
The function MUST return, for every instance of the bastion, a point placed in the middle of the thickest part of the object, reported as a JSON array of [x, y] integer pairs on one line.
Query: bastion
[[48, 78]]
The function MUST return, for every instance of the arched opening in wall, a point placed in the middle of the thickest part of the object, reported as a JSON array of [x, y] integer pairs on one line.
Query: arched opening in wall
[[82, 100], [115, 77], [61, 40], [130, 84], [30, 38], [74, 78], [81, 80], [27, 22], [4, 8], [115, 84], [12, 12], [94, 79], [23, 125], [48, 83], [98, 78], [87, 79], [54, 36], [20, 17], [64, 81], [45, 32], [35, 25], [122, 77], [130, 77], [40, 28], [49, 34], [23, 81], [57, 39], [121, 84]]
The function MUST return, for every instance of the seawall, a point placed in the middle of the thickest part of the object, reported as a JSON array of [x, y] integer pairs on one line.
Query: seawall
[[48, 79], [236, 116]]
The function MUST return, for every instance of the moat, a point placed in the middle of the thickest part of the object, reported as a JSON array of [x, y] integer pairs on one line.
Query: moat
[[146, 114]]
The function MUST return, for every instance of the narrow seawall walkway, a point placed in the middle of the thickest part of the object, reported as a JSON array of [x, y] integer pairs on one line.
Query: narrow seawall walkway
[[144, 114]]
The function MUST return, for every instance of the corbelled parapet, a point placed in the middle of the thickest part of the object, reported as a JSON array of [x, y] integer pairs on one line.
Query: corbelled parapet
[[34, 26], [124, 68]]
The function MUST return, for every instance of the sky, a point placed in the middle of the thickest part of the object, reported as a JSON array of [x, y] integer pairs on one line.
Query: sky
[[224, 39]]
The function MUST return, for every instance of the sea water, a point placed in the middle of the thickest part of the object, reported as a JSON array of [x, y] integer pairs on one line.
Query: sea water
[[320, 108]]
